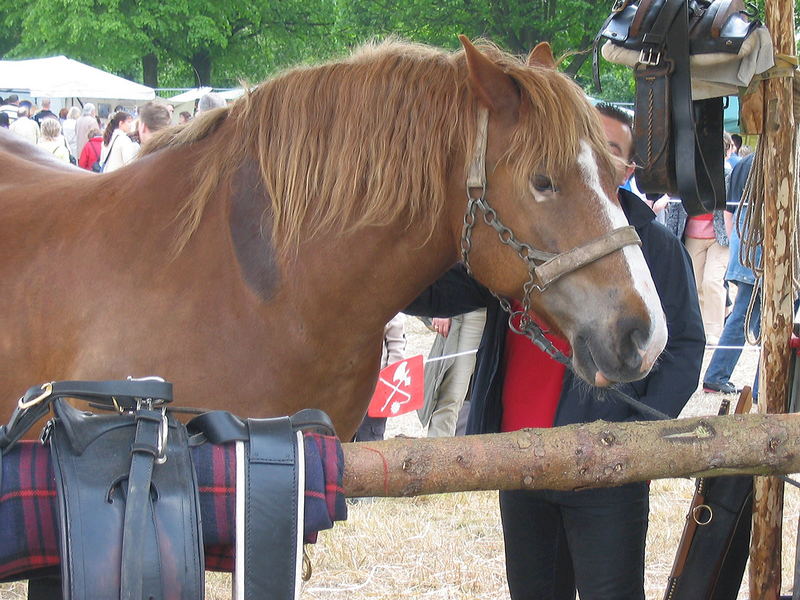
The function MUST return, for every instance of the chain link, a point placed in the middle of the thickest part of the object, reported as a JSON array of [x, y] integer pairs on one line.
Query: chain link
[[527, 326]]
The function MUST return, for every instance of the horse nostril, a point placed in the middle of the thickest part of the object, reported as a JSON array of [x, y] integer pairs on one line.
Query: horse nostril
[[634, 345], [639, 339]]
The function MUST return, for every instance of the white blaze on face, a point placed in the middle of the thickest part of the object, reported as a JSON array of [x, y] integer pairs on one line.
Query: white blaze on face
[[615, 217]]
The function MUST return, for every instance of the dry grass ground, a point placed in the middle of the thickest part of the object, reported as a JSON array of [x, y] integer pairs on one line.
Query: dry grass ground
[[450, 547]]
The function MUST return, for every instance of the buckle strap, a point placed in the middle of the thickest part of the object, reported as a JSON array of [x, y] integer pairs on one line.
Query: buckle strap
[[139, 525], [273, 472], [112, 395]]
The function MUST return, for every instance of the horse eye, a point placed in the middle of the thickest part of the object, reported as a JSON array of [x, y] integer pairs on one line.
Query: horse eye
[[542, 183]]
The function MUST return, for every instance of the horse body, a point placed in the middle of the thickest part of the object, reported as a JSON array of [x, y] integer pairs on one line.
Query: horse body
[[104, 298], [252, 303]]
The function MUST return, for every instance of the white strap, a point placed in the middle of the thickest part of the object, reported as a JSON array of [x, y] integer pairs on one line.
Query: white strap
[[301, 506], [238, 570]]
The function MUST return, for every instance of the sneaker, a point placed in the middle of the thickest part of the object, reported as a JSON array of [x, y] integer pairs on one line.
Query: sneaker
[[723, 388]]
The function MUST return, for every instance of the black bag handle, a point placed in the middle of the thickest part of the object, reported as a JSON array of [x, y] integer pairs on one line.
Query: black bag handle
[[118, 395]]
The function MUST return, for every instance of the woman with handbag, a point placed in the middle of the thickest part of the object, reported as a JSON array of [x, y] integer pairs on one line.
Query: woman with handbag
[[118, 148]]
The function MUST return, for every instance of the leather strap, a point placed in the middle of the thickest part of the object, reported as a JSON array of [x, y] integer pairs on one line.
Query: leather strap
[[271, 561], [656, 38], [269, 495], [578, 257], [699, 191], [140, 571], [111, 395], [645, 6]]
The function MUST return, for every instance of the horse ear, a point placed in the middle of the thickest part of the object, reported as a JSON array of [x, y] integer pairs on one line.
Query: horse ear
[[542, 56], [493, 87]]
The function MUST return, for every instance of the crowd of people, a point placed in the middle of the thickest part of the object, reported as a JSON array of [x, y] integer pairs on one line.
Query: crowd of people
[[81, 137]]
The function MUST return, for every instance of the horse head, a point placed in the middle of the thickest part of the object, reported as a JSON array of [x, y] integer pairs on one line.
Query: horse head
[[543, 223]]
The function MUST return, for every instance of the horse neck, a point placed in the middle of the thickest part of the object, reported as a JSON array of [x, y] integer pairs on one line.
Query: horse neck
[[371, 275]]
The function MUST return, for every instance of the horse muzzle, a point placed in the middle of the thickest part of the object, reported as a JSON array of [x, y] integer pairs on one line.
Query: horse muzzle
[[626, 353]]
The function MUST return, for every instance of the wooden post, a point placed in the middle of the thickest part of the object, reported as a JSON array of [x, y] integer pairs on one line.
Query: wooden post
[[777, 296]]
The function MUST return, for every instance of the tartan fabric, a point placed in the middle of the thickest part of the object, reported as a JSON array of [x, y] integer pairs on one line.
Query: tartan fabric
[[29, 535]]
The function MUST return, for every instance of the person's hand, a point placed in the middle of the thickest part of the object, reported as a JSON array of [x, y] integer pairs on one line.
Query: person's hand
[[441, 326], [660, 204]]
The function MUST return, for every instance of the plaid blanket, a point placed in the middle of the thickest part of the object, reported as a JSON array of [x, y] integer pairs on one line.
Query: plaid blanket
[[29, 514]]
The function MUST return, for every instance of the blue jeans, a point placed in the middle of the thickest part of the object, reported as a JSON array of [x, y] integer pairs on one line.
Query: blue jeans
[[724, 361]]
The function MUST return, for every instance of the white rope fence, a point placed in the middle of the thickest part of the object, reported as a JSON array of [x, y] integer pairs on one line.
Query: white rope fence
[[475, 350]]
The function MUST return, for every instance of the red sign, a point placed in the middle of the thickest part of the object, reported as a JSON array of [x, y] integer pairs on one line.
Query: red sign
[[400, 389]]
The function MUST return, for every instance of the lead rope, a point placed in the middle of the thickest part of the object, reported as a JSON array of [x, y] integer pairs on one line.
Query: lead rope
[[751, 231]]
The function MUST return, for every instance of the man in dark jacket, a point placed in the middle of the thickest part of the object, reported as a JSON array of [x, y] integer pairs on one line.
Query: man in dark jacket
[[590, 540]]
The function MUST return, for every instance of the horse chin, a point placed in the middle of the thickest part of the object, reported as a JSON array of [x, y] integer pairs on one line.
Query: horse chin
[[595, 365]]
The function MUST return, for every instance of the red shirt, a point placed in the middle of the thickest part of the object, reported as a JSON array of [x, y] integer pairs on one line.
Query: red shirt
[[532, 382]]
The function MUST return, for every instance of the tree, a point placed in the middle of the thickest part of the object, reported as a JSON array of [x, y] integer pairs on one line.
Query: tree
[[137, 36], [569, 26]]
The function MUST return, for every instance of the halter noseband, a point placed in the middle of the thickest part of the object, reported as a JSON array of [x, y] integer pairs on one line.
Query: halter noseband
[[543, 267]]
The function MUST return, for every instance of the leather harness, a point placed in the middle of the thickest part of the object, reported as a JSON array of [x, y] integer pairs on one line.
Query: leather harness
[[128, 499], [543, 267]]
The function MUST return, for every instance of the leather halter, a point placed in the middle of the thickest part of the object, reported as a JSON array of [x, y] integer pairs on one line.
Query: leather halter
[[543, 267]]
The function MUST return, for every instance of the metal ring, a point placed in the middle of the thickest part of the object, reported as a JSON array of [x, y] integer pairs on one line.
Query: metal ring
[[48, 389], [699, 507]]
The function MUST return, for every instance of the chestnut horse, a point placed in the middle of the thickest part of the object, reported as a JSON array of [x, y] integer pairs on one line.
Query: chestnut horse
[[253, 256]]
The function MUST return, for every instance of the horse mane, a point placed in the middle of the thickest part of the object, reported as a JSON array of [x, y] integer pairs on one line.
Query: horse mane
[[365, 140]]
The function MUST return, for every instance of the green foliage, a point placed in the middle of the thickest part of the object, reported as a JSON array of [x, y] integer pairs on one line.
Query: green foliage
[[193, 42]]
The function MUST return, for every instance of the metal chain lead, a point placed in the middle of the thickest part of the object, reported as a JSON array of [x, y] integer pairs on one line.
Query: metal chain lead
[[527, 326], [476, 182]]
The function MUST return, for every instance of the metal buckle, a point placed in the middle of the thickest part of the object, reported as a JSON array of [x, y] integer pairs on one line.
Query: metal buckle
[[163, 434], [48, 389], [650, 57]]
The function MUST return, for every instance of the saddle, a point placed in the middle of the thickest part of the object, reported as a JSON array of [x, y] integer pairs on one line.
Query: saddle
[[127, 495], [677, 139]]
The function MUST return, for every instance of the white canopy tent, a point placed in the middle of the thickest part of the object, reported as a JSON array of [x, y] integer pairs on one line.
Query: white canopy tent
[[189, 95], [62, 77], [196, 93]]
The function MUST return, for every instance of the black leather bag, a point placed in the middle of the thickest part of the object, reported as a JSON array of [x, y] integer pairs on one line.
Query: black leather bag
[[715, 543], [677, 141], [129, 513], [715, 559], [128, 501], [126, 532]]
